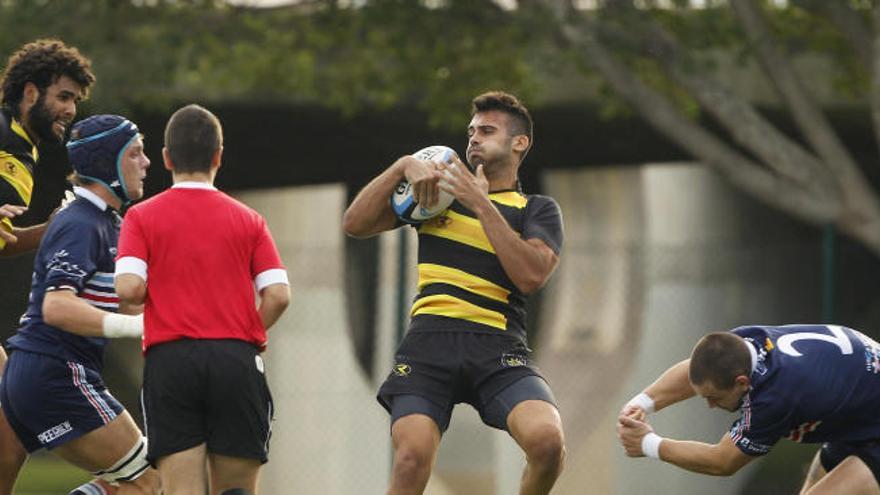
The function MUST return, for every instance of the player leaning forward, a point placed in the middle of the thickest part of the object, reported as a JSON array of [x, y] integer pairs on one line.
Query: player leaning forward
[[52, 391], [477, 263], [809, 383], [194, 255]]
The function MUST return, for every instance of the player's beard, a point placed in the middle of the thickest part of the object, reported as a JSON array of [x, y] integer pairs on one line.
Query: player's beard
[[41, 119]]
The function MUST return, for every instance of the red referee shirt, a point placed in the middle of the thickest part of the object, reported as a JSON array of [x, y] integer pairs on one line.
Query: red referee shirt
[[202, 254]]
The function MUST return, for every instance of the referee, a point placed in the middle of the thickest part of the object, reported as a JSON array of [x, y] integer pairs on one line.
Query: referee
[[193, 256]]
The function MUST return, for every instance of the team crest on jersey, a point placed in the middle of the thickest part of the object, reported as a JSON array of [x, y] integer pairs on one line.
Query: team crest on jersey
[[440, 221], [402, 369], [511, 360], [10, 168], [60, 264]]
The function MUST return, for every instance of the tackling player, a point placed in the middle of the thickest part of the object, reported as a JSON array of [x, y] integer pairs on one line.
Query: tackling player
[[808, 383]]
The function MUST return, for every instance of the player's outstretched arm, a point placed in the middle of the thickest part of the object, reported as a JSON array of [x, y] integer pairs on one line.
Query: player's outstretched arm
[[721, 459], [273, 301], [671, 387], [65, 310], [370, 212], [28, 239]]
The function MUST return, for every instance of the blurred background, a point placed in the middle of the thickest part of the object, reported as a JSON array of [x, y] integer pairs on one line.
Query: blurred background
[[715, 161]]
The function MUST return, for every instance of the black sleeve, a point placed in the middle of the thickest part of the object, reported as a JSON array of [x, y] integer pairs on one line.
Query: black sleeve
[[4, 129], [8, 194], [544, 221]]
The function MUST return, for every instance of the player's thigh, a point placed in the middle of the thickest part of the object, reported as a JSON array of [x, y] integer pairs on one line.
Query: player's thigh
[[183, 472], [227, 473], [814, 473], [12, 456], [103, 447], [852, 476], [524, 404], [239, 407]]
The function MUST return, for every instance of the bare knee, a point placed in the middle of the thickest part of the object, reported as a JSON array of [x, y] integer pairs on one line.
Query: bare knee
[[545, 447], [412, 461]]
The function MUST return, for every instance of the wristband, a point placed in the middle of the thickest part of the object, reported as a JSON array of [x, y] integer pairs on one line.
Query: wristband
[[651, 445], [117, 325], [644, 401]]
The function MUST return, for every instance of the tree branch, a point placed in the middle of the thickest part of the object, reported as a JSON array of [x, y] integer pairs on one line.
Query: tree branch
[[863, 209], [743, 172], [746, 125]]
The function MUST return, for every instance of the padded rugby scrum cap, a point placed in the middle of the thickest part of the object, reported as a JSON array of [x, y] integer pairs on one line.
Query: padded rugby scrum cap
[[95, 150]]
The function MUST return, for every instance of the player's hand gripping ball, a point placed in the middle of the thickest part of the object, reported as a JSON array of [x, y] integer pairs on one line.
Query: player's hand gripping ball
[[402, 200]]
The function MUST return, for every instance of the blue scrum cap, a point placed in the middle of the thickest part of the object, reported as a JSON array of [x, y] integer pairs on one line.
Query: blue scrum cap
[[95, 150]]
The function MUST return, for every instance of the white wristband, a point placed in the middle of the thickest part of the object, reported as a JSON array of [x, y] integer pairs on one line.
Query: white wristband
[[642, 400], [651, 445], [117, 325]]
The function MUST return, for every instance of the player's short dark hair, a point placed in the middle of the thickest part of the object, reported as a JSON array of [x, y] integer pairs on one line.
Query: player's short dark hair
[[42, 62], [192, 136], [519, 117], [719, 358]]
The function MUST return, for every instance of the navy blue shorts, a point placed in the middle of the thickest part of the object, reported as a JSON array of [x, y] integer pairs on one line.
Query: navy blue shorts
[[833, 453], [436, 370], [49, 401]]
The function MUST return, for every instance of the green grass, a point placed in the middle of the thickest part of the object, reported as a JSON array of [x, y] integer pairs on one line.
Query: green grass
[[46, 474]]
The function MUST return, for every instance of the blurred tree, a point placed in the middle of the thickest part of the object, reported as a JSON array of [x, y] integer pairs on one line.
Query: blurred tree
[[663, 58], [660, 57], [380, 54]]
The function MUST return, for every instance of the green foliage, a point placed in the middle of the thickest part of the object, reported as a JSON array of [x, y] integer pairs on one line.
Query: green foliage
[[432, 55], [385, 53]]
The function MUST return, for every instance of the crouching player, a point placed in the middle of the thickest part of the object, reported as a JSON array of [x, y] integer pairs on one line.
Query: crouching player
[[52, 391]]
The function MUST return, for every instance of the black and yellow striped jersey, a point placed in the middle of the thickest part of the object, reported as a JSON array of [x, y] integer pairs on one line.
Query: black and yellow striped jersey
[[18, 156], [462, 285]]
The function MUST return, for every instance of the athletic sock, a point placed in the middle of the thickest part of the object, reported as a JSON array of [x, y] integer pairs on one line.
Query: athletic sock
[[90, 488]]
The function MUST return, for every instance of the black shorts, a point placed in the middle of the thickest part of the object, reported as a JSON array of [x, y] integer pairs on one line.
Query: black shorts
[[206, 391], [833, 453], [448, 368]]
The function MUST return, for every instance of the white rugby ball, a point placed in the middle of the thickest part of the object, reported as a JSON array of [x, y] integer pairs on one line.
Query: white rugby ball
[[402, 201]]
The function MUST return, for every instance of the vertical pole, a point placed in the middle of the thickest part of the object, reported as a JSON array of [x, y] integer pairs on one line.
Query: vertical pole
[[829, 269]]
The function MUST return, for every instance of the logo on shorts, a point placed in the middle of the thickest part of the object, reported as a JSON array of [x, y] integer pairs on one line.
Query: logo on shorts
[[512, 360], [55, 432], [259, 362], [402, 369]]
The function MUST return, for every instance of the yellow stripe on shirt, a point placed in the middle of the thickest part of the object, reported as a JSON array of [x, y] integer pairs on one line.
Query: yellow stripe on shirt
[[17, 175], [5, 224], [430, 273], [453, 307], [509, 198], [460, 228]]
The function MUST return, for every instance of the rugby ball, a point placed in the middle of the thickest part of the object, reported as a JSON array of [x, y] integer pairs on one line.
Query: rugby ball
[[402, 201]]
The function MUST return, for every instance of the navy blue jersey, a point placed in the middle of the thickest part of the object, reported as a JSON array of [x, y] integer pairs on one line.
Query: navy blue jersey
[[810, 383], [77, 253]]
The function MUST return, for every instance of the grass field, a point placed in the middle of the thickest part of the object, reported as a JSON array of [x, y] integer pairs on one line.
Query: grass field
[[47, 475]]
